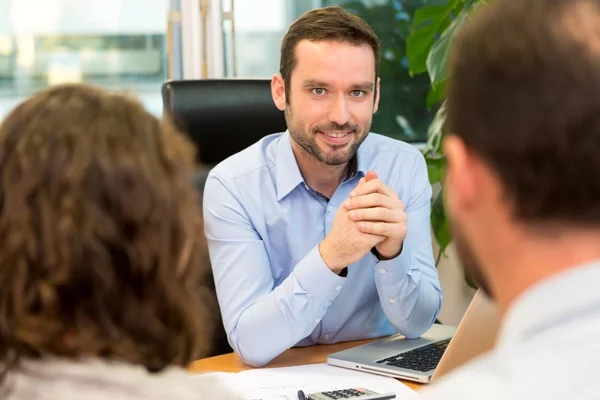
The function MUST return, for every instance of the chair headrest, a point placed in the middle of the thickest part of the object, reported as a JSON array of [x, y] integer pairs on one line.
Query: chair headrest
[[222, 116]]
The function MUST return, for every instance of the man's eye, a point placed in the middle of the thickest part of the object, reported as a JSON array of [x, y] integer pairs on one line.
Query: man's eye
[[357, 93], [319, 91]]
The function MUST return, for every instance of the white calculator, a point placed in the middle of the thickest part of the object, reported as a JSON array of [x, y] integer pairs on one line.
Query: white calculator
[[350, 393]]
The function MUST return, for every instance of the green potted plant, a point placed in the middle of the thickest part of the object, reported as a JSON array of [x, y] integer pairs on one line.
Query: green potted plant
[[427, 47]]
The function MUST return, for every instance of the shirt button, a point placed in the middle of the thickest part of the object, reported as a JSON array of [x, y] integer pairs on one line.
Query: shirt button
[[338, 288], [326, 337], [382, 271], [318, 320], [330, 208], [392, 301]]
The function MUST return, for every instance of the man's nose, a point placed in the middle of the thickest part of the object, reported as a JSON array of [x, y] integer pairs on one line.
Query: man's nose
[[339, 112]]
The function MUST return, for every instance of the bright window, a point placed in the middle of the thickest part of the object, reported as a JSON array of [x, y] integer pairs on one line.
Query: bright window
[[117, 44]]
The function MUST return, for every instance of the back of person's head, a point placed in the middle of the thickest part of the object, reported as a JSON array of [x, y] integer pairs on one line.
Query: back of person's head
[[525, 96], [325, 24], [101, 248], [523, 142]]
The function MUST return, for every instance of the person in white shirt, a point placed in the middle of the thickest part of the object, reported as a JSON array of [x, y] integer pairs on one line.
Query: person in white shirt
[[523, 192], [104, 290]]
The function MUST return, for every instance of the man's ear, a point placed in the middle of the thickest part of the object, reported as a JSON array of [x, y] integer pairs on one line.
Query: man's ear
[[460, 176], [377, 95], [278, 91]]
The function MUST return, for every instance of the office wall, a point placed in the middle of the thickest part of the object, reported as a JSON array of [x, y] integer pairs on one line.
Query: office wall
[[457, 294]]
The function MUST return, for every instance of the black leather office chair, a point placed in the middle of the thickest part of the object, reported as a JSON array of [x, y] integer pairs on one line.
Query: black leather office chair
[[222, 117]]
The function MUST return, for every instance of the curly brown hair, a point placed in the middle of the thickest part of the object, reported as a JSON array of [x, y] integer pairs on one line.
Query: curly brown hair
[[101, 246]]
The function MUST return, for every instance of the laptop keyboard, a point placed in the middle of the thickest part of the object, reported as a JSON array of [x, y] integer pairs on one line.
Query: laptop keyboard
[[421, 359]]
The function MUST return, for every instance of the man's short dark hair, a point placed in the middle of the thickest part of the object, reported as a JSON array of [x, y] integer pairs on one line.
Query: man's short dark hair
[[324, 24], [525, 97]]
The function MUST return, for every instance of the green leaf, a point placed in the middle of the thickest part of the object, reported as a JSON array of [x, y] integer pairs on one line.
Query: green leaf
[[436, 167], [443, 236], [418, 45], [430, 14], [436, 94], [439, 223], [470, 281], [437, 60], [435, 174], [435, 132], [428, 23], [435, 2]]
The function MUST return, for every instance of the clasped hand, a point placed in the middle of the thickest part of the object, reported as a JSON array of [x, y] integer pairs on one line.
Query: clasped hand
[[373, 216]]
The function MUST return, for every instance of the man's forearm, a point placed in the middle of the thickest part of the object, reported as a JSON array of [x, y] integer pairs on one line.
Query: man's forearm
[[286, 315]]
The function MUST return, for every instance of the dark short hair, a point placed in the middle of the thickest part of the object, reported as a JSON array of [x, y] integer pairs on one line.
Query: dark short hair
[[324, 24], [101, 246], [525, 96]]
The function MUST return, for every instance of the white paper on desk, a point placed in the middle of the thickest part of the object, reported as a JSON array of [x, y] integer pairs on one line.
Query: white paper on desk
[[284, 383]]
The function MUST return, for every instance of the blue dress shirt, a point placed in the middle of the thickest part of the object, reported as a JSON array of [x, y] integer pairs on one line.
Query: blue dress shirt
[[264, 224]]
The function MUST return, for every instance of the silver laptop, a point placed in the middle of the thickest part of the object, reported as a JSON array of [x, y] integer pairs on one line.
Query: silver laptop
[[436, 352]]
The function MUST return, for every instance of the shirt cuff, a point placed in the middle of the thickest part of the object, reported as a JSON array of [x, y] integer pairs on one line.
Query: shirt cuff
[[314, 276], [394, 270]]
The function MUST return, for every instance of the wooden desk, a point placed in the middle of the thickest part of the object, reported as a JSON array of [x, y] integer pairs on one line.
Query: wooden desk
[[298, 356]]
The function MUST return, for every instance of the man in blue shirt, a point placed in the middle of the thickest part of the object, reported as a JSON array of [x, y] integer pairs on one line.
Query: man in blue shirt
[[321, 234]]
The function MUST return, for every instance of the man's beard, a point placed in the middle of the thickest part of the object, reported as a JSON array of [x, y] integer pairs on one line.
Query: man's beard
[[469, 261], [309, 141]]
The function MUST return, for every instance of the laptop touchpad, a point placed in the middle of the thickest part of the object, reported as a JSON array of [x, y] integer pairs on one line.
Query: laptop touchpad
[[400, 343]]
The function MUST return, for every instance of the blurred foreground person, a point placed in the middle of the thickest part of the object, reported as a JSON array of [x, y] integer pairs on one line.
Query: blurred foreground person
[[523, 190], [103, 265]]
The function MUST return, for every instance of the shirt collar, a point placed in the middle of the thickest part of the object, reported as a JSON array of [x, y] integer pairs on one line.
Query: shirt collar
[[538, 309], [287, 172]]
